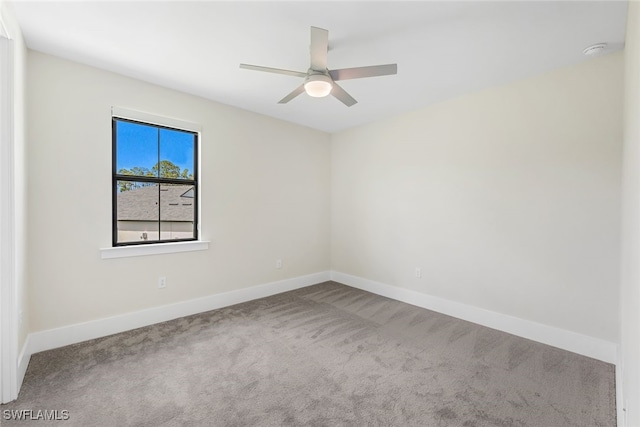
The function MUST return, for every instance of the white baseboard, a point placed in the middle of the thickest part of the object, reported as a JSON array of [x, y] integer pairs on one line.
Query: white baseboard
[[72, 334], [577, 343]]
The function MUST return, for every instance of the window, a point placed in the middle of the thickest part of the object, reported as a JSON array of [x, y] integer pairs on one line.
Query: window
[[155, 183]]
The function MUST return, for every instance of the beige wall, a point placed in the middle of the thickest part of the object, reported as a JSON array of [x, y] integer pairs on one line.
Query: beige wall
[[265, 196], [507, 199], [630, 284]]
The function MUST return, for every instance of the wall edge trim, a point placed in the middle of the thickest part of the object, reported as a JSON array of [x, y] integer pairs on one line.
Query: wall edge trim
[[621, 412]]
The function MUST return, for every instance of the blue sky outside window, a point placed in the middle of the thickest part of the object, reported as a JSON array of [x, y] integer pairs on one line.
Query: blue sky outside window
[[140, 147]]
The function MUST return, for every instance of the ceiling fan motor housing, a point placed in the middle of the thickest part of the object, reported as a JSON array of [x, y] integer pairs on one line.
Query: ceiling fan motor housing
[[318, 85]]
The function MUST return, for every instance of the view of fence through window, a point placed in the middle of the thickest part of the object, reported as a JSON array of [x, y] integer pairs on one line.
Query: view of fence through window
[[154, 183]]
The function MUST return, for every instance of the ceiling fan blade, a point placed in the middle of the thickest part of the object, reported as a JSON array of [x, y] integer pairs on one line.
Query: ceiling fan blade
[[273, 70], [319, 48], [297, 91], [361, 72], [342, 95]]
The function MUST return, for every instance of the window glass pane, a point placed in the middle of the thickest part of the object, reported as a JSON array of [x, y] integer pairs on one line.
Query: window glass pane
[[177, 154], [137, 211], [146, 210], [177, 211], [137, 149]]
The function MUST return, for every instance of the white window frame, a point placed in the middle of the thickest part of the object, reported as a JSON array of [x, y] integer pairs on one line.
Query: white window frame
[[166, 247]]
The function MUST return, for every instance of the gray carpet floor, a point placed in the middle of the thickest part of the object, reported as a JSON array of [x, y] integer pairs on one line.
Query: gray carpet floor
[[325, 355]]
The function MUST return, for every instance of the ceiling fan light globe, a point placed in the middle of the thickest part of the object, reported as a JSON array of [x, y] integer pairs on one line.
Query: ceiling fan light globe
[[318, 86]]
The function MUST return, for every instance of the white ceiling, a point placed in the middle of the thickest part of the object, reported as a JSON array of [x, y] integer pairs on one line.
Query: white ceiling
[[443, 49]]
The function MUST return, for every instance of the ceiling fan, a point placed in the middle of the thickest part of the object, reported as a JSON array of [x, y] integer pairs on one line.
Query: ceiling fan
[[318, 80]]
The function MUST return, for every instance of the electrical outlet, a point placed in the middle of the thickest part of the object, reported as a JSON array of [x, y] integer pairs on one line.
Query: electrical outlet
[[162, 282], [418, 272], [278, 264]]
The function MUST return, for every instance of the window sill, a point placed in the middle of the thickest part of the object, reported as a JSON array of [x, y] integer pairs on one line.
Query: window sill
[[153, 249]]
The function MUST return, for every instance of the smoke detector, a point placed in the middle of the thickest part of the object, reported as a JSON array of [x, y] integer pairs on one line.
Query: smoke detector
[[594, 49]]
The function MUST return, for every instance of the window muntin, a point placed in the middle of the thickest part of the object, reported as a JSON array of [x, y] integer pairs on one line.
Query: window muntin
[[155, 183]]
